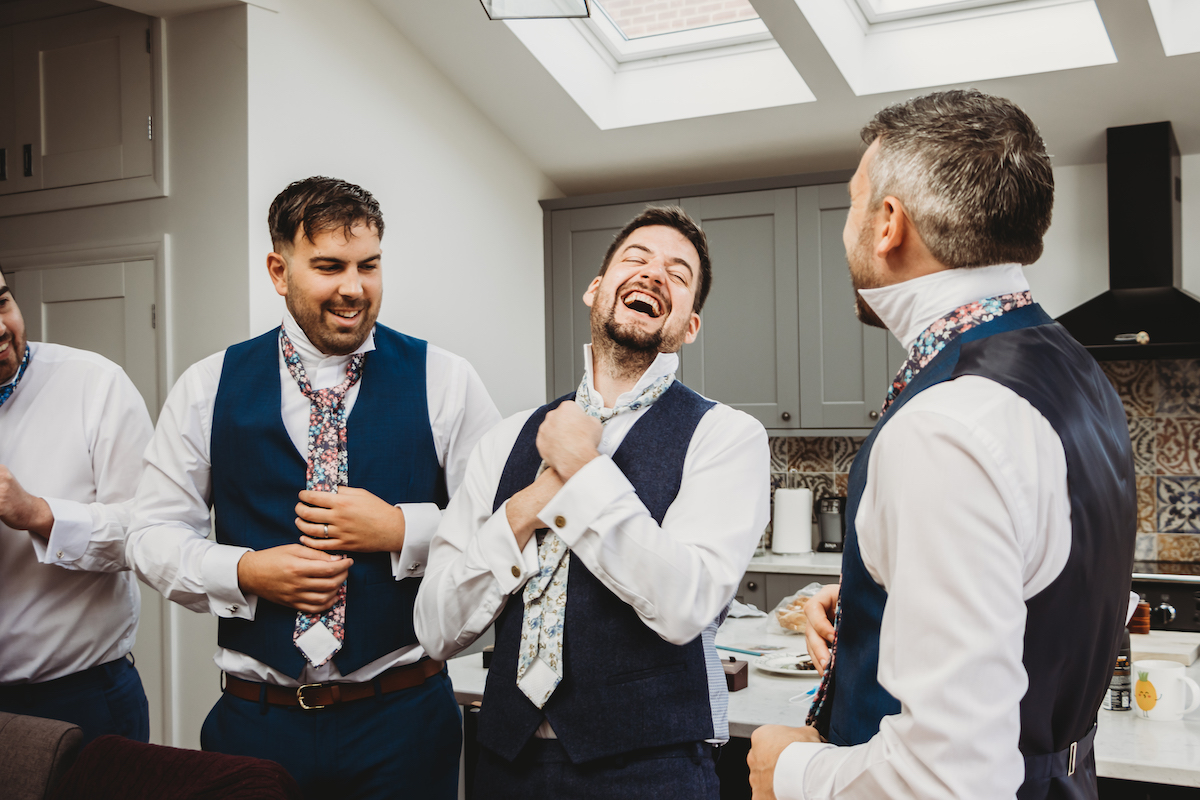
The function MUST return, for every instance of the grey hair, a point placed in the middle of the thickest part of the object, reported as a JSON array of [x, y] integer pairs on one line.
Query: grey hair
[[972, 172]]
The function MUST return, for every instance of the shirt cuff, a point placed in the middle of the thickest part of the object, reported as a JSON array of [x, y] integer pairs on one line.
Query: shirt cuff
[[510, 565], [591, 490], [790, 769], [70, 534], [420, 524], [219, 572]]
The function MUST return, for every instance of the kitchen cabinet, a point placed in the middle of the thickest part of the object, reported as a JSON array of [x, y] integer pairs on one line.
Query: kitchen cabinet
[[753, 590], [77, 108], [778, 339], [845, 366], [746, 352]]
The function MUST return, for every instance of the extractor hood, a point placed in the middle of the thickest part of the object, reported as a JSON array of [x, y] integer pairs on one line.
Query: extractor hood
[[1144, 301]]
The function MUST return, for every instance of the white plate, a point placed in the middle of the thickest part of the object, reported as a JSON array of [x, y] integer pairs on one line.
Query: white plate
[[785, 664]]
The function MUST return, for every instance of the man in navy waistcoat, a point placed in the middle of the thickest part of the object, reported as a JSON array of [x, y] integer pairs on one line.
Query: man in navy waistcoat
[[991, 513], [326, 449], [604, 535]]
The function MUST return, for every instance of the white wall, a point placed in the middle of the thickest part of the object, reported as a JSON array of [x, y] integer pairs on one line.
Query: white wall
[[1074, 266], [344, 94]]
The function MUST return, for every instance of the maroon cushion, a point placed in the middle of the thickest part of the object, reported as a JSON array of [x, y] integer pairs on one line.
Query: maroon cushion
[[122, 769]]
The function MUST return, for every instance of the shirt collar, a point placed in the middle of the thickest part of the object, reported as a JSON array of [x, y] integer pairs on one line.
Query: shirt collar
[[310, 356], [909, 307], [663, 364]]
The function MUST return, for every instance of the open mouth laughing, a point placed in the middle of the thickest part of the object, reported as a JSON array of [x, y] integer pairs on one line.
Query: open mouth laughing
[[643, 303]]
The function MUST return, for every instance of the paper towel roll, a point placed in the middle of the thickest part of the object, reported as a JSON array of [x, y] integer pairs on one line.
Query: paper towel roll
[[791, 530]]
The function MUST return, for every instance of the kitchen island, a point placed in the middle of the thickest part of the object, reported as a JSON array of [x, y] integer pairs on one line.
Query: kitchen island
[[1126, 747]]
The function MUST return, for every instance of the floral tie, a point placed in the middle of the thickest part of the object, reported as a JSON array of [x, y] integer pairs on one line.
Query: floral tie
[[320, 636], [931, 342], [540, 664], [6, 392]]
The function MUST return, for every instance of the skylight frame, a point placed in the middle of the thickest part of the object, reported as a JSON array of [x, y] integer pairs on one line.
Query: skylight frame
[[606, 34], [964, 46], [875, 12]]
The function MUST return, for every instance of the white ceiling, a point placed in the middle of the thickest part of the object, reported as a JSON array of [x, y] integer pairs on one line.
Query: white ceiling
[[1072, 107]]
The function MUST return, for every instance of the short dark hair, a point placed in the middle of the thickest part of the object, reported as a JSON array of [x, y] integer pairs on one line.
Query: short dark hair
[[972, 172], [672, 217], [318, 204]]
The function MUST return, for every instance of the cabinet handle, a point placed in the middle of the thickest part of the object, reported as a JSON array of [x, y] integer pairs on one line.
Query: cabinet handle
[[28, 159], [873, 415], [786, 416], [751, 586]]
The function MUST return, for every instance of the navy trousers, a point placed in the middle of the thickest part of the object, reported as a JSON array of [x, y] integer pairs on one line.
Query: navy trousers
[[104, 699], [542, 770], [399, 745]]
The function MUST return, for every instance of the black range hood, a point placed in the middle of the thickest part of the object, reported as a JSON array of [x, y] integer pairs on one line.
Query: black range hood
[[1144, 301]]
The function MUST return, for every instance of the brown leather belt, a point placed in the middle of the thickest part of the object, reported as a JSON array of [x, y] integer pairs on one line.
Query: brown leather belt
[[318, 695]]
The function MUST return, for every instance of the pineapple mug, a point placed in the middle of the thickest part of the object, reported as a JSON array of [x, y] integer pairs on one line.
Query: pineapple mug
[[1158, 690]]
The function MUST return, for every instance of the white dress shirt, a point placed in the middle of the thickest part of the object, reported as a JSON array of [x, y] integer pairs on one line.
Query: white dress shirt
[[965, 516], [168, 545], [678, 577], [72, 433]]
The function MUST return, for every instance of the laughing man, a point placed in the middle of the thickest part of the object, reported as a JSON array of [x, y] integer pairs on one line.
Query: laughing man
[[604, 535]]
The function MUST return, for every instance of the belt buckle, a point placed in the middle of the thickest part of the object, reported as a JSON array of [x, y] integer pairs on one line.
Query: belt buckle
[[1071, 760], [300, 696]]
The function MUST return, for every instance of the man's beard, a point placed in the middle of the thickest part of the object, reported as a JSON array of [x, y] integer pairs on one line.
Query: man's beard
[[17, 350], [331, 343], [861, 278]]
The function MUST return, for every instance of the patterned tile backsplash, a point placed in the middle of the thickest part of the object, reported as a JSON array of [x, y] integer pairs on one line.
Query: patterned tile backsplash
[[1162, 405], [820, 463]]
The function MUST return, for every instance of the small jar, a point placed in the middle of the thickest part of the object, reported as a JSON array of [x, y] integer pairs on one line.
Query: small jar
[[1117, 698]]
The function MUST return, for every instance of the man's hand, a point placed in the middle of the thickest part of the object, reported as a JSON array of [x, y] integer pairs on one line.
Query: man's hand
[[524, 506], [293, 575], [820, 612], [766, 744], [568, 438], [20, 510], [357, 520]]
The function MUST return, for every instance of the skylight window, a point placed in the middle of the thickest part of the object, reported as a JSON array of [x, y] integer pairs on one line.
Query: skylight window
[[1178, 23], [628, 31], [916, 44], [876, 11], [719, 60], [636, 18]]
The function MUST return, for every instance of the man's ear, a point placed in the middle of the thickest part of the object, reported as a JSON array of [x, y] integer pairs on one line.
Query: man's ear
[[693, 329], [277, 268], [589, 295], [892, 227]]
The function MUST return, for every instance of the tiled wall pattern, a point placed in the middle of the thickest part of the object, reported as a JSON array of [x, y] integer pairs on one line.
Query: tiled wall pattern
[[820, 463], [1162, 404]]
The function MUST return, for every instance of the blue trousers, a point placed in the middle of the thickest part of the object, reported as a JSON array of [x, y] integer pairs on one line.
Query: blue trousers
[[399, 745], [104, 699], [542, 770]]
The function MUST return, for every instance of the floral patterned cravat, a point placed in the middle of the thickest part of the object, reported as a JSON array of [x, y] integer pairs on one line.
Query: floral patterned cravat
[[326, 471], [931, 342], [6, 392], [540, 663]]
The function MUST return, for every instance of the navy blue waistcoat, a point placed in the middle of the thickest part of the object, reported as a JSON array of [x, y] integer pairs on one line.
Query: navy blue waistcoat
[[623, 687], [1073, 625], [257, 474]]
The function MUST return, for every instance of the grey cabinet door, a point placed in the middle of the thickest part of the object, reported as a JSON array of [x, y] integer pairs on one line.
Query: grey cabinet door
[[579, 239], [745, 355], [844, 365]]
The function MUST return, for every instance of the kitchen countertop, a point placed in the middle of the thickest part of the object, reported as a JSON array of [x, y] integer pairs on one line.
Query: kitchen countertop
[[803, 564], [1126, 746]]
